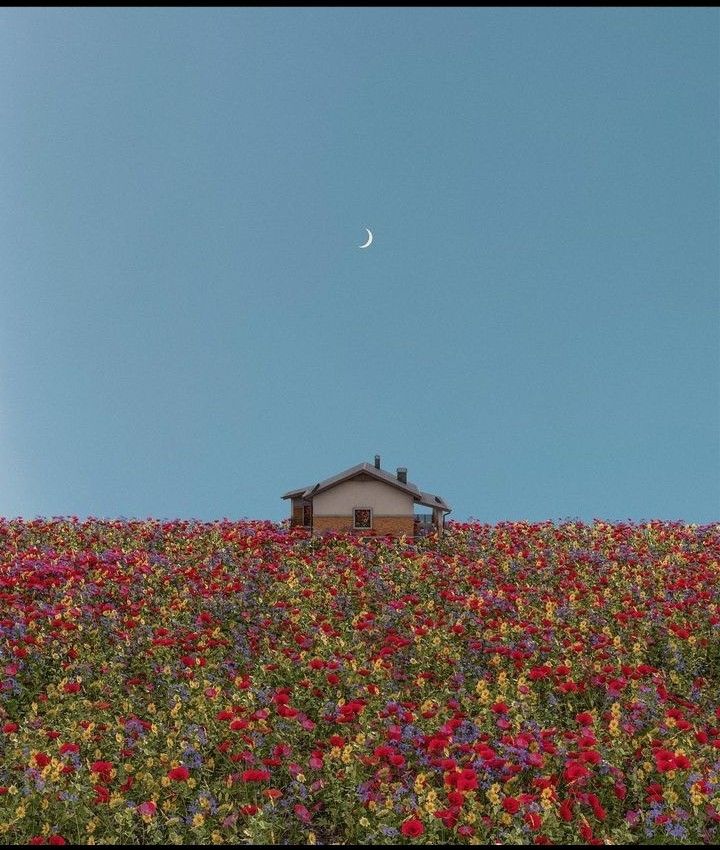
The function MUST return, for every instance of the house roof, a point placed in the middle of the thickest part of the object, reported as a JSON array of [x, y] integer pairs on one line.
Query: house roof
[[430, 500], [419, 496]]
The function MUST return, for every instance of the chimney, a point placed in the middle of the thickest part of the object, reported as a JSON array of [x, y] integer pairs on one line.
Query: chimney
[[377, 461], [402, 474]]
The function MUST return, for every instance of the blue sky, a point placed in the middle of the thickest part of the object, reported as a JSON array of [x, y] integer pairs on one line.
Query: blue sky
[[189, 329]]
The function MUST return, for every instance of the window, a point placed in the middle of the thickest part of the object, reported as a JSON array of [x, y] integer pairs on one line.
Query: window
[[362, 518], [307, 515]]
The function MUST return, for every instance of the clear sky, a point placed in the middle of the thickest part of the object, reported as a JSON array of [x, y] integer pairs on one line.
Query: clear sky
[[188, 327]]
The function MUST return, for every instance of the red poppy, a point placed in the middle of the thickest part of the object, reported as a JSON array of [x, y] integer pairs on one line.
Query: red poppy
[[101, 767], [533, 820], [42, 760], [254, 775], [566, 812], [511, 805], [102, 794], [412, 827], [179, 774], [467, 780], [575, 770]]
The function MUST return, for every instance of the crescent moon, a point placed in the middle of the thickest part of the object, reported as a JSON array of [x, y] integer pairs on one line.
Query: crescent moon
[[370, 238]]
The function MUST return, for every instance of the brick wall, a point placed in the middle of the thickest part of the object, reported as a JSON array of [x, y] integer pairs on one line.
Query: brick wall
[[396, 525]]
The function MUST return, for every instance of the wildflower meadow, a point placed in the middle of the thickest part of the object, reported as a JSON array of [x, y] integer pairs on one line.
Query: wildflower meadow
[[241, 682]]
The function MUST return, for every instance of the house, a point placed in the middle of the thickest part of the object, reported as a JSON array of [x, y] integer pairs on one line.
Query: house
[[367, 498]]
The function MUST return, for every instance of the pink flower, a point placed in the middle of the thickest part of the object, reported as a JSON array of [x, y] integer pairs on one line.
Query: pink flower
[[147, 808], [302, 813]]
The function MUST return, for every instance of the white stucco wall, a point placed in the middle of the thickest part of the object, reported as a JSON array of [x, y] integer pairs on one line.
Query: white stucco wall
[[384, 499]]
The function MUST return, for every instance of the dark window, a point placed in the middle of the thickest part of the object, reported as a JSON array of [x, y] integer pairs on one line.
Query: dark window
[[307, 515], [363, 517]]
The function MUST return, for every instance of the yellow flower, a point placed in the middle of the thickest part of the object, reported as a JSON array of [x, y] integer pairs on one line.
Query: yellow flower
[[311, 838], [198, 820]]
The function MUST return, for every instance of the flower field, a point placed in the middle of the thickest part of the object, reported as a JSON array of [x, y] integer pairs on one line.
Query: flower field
[[239, 682]]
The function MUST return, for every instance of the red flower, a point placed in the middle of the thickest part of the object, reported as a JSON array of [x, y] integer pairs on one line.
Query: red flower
[[511, 805], [102, 794], [597, 808], [56, 839], [533, 820], [102, 768], [42, 760], [575, 770], [447, 816], [255, 775], [10, 727], [664, 760], [412, 828], [72, 687], [683, 762], [179, 774], [467, 780], [566, 812]]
